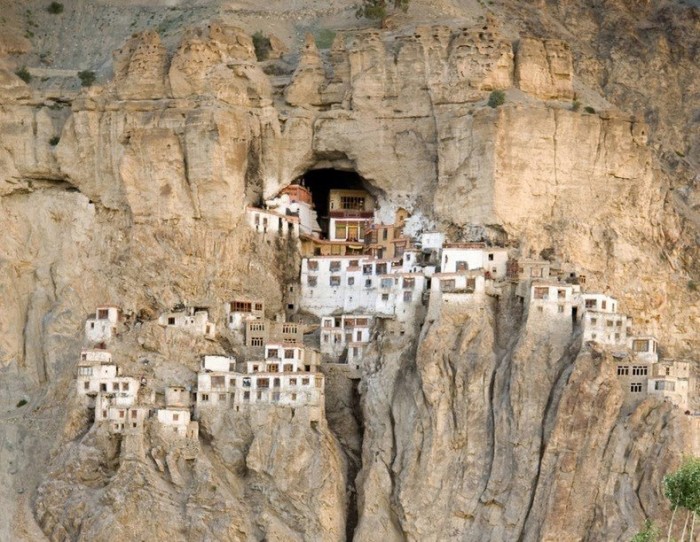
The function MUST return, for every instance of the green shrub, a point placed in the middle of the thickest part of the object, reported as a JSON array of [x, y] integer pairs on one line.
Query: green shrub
[[650, 533], [21, 403], [55, 8], [262, 46], [54, 141], [692, 286], [575, 105], [24, 74], [87, 78], [496, 98], [378, 9], [324, 38], [589, 109]]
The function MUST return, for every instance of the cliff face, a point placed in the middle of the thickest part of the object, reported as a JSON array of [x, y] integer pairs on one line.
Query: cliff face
[[478, 425]]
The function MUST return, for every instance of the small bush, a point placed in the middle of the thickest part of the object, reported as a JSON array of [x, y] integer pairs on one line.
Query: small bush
[[87, 77], [324, 38], [54, 141], [575, 105], [21, 403], [496, 98], [24, 74], [680, 154], [589, 109], [692, 286], [262, 46], [55, 8], [650, 533]]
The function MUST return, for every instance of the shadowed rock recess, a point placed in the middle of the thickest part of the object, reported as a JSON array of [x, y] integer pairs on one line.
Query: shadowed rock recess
[[476, 422]]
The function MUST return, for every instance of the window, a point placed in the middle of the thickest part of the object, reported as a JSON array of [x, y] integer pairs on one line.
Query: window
[[603, 304], [561, 294], [610, 323], [86, 385], [312, 265], [218, 382], [367, 269], [304, 381], [541, 309], [447, 285], [617, 336], [222, 397], [246, 396], [288, 368], [356, 203], [121, 413], [623, 370], [636, 387], [102, 314], [536, 272], [385, 297], [407, 296], [640, 345], [85, 371], [326, 337], [176, 417], [171, 321], [541, 292], [205, 397], [381, 269], [668, 371], [639, 370], [294, 397], [354, 263], [273, 353], [618, 323], [311, 281], [594, 321], [115, 386], [289, 353], [263, 383], [292, 381], [387, 283], [591, 303], [256, 341], [461, 266], [409, 283], [491, 257], [334, 280], [368, 283], [560, 308], [246, 382], [341, 231], [334, 266], [351, 281], [664, 385]]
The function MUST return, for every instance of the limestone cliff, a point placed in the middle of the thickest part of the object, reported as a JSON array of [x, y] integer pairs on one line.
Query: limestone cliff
[[474, 426]]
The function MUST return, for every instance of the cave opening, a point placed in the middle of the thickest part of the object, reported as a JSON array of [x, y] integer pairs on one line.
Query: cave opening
[[342, 200]]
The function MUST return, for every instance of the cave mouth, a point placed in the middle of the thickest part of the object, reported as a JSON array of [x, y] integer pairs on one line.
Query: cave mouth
[[320, 182]]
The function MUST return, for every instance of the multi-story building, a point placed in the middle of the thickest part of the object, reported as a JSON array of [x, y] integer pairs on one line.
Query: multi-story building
[[103, 326], [260, 332], [345, 334], [193, 320], [457, 257], [670, 379]]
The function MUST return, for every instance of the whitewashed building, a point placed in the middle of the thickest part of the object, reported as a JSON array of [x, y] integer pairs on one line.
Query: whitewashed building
[[345, 331], [645, 348], [193, 320], [98, 374], [458, 257], [265, 221], [178, 397], [554, 306], [606, 328], [295, 200], [119, 418], [103, 326], [432, 240], [599, 303], [455, 290], [176, 422], [670, 380], [216, 381], [240, 311]]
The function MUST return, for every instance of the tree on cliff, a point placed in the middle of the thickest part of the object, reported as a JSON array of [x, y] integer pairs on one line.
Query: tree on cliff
[[378, 9], [682, 488]]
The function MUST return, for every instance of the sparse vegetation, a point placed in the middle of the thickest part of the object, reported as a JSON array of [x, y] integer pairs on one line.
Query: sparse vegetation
[[692, 286], [378, 9], [650, 533], [24, 74], [575, 105], [21, 403], [324, 38], [589, 109], [55, 8], [496, 98], [87, 78], [54, 141], [682, 488], [680, 154], [262, 46]]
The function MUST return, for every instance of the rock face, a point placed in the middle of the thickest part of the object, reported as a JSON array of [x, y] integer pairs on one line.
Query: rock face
[[474, 426]]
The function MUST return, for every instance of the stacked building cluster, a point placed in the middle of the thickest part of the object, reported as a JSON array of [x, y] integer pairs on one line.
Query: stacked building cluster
[[356, 271]]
